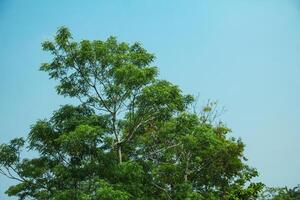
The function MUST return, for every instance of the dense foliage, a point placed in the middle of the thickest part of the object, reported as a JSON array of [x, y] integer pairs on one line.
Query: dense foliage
[[133, 136]]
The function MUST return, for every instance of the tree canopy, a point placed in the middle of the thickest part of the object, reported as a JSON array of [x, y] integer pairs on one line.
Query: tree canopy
[[133, 135]]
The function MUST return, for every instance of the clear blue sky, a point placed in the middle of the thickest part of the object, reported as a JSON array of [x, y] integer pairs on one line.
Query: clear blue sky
[[243, 53]]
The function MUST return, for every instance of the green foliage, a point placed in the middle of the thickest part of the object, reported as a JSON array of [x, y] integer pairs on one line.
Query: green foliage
[[281, 193], [132, 137]]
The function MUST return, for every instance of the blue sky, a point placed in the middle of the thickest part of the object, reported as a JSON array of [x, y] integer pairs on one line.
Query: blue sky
[[243, 53]]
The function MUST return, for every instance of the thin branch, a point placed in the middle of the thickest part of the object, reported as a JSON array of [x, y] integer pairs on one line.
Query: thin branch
[[163, 189], [165, 148], [9, 175]]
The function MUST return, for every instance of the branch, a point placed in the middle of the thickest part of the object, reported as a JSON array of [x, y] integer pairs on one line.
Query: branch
[[9, 175], [163, 189], [165, 148], [79, 70], [101, 99]]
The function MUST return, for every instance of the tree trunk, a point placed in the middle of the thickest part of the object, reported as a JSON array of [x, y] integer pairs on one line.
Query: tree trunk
[[120, 154], [186, 171], [185, 178]]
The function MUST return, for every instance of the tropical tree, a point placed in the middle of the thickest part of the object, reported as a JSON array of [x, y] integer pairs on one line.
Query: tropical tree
[[133, 136]]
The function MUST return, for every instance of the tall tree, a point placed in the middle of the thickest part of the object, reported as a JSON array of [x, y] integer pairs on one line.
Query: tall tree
[[132, 137]]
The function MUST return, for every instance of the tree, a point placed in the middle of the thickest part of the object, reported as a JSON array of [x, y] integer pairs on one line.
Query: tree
[[133, 136], [283, 193]]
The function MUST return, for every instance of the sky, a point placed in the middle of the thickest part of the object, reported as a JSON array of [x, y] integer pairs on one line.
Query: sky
[[245, 54]]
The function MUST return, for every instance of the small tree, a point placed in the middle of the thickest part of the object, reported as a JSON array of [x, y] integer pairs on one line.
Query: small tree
[[132, 137], [283, 193]]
